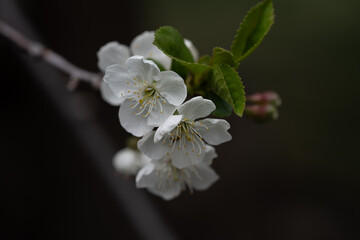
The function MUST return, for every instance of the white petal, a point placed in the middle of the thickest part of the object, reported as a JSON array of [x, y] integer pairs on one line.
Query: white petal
[[167, 126], [119, 81], [168, 192], [150, 148], [197, 107], [126, 161], [194, 52], [172, 87], [147, 177], [143, 45], [108, 95], [203, 177], [214, 131], [146, 70], [209, 155], [185, 157], [159, 114], [134, 124], [112, 53]]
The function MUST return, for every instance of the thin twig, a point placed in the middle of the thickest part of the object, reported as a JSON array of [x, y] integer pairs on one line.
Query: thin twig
[[36, 49]]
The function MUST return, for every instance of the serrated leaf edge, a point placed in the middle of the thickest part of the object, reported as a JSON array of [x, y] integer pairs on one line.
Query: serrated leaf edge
[[232, 103], [237, 61]]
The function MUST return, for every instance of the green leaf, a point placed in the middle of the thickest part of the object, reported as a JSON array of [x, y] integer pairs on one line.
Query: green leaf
[[197, 69], [221, 55], [179, 69], [170, 42], [226, 83], [252, 30], [223, 109], [205, 59]]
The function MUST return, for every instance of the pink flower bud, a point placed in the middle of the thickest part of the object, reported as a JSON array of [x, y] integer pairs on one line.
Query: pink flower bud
[[262, 113], [270, 97]]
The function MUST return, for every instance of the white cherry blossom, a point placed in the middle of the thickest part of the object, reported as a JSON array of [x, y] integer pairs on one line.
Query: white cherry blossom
[[149, 96], [182, 137], [163, 179], [142, 45], [128, 161]]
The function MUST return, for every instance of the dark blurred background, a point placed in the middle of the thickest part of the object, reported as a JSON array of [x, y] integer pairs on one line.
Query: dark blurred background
[[295, 178]]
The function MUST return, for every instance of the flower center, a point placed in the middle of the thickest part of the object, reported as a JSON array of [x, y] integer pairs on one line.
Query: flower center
[[184, 137], [148, 99], [168, 175]]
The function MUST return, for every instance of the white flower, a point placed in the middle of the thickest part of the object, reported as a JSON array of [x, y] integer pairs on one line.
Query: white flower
[[163, 179], [142, 45], [128, 161], [149, 96], [184, 138]]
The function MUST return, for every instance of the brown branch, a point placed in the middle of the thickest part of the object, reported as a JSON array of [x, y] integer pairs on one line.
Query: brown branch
[[36, 49]]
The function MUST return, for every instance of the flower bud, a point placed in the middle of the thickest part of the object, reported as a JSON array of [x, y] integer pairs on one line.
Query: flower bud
[[262, 113], [268, 97]]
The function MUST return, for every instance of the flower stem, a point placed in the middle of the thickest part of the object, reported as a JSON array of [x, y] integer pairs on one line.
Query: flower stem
[[36, 49]]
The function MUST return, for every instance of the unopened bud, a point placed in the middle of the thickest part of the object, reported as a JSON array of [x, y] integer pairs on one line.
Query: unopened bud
[[268, 97], [262, 113]]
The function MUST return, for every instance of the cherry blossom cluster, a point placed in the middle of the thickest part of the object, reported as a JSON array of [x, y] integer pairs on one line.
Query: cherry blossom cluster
[[175, 150]]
